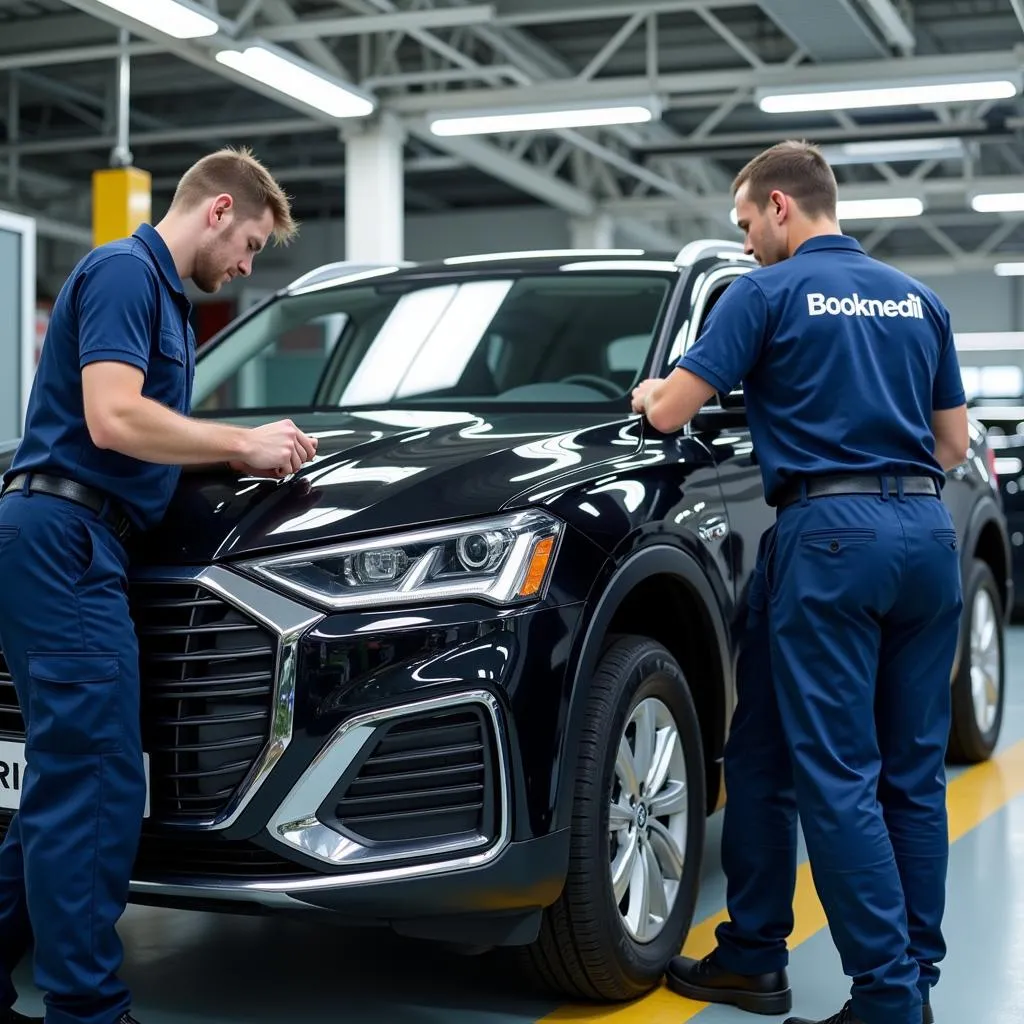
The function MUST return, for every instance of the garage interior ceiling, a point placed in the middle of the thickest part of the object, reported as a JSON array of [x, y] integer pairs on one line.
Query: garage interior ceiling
[[703, 61]]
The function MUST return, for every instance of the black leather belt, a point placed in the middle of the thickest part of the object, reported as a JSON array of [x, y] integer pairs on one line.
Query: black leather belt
[[59, 487], [855, 483]]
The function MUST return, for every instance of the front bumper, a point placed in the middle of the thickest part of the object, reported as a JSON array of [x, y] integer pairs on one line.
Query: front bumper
[[324, 820]]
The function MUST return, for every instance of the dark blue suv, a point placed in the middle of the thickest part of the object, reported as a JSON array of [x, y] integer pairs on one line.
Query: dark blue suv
[[470, 673]]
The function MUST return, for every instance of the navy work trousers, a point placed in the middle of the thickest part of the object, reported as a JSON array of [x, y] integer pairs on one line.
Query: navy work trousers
[[65, 863], [856, 605]]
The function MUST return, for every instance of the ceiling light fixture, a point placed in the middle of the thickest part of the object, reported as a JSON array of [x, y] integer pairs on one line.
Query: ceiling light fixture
[[878, 209], [285, 73], [1009, 269], [545, 119], [177, 18], [998, 202], [802, 100], [894, 150]]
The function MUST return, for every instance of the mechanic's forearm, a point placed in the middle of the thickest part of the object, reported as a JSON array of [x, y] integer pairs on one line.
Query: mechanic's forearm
[[949, 456], [658, 415], [148, 431]]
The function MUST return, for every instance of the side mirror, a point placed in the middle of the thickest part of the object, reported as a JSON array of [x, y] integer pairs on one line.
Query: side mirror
[[713, 419], [730, 411]]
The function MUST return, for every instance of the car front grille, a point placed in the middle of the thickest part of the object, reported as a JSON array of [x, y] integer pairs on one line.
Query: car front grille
[[207, 696], [208, 674], [426, 777], [11, 722]]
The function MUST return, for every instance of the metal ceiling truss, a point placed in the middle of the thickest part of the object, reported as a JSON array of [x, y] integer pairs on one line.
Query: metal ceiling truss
[[422, 58]]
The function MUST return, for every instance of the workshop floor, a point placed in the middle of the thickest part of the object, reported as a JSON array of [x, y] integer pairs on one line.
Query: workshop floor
[[203, 968]]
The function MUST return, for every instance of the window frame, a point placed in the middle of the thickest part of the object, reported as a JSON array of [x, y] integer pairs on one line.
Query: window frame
[[691, 318]]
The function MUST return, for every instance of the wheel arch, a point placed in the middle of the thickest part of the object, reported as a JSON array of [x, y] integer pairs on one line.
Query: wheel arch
[[985, 538], [991, 546], [660, 592]]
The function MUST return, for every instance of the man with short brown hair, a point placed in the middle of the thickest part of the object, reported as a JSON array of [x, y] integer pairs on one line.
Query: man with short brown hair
[[796, 168], [250, 184], [106, 435], [856, 409]]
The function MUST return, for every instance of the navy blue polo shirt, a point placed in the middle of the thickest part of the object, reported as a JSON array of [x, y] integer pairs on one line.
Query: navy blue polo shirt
[[842, 359], [124, 302]]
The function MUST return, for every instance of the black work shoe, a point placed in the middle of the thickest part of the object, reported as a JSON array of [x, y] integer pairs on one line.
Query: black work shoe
[[705, 981], [844, 1016]]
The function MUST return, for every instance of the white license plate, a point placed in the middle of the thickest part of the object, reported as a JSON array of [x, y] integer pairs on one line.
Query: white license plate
[[12, 774]]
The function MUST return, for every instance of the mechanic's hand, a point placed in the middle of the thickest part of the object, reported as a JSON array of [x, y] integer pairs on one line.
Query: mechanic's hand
[[244, 469], [278, 447], [641, 391]]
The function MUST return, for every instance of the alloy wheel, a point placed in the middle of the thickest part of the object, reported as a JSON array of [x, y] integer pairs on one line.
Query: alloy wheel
[[985, 661], [648, 819]]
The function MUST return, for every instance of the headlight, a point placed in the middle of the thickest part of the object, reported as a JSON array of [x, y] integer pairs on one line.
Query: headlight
[[505, 560]]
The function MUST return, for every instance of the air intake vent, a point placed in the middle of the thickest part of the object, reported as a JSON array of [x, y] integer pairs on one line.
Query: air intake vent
[[428, 777], [199, 857], [206, 856]]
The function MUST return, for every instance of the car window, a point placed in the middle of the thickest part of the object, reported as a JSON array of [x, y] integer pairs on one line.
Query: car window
[[691, 320], [284, 372], [626, 355], [559, 337]]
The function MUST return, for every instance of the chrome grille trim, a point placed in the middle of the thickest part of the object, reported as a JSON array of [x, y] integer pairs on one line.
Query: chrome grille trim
[[285, 618]]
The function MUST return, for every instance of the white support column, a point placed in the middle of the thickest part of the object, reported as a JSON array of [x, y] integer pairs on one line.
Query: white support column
[[596, 232], [374, 191]]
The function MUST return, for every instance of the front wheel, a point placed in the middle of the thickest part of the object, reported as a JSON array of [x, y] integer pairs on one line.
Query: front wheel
[[637, 831], [978, 687]]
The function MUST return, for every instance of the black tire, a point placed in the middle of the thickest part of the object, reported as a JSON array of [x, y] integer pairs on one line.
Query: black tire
[[584, 950], [971, 741]]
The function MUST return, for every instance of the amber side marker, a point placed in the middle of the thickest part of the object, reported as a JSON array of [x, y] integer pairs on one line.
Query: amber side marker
[[538, 566]]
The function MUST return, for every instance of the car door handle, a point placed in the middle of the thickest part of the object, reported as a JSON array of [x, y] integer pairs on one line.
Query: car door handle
[[713, 529]]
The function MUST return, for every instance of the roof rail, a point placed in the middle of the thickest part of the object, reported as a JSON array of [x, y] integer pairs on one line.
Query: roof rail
[[341, 268], [701, 248]]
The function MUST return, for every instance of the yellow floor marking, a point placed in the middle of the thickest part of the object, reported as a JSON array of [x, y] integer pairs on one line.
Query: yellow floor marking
[[971, 798]]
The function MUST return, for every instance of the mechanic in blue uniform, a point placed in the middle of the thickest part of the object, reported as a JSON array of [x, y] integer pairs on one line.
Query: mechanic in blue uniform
[[856, 409], [106, 435]]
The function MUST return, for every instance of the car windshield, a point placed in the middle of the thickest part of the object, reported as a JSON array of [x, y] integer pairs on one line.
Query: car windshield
[[522, 338]]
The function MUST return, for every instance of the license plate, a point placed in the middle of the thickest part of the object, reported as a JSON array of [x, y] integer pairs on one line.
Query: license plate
[[12, 774]]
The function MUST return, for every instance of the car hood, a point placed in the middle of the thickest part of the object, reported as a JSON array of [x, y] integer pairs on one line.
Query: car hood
[[382, 470]]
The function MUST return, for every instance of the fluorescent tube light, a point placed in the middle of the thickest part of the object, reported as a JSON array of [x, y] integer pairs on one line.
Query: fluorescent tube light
[[1009, 269], [292, 77], [869, 209], [996, 341], [180, 20], [801, 101], [998, 202], [894, 149], [541, 120]]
